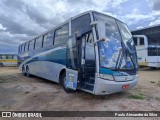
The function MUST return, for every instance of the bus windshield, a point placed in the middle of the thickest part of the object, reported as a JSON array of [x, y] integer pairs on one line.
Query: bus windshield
[[115, 52]]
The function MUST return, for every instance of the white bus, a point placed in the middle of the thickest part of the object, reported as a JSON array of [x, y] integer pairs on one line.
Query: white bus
[[92, 52], [148, 51], [8, 60]]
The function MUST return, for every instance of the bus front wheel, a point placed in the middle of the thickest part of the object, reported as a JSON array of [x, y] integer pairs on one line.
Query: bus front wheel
[[23, 71], [63, 79]]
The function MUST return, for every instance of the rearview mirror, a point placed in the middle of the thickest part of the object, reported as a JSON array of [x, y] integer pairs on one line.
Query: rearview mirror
[[101, 39]]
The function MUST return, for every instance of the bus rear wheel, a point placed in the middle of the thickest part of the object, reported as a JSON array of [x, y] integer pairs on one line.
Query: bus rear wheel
[[27, 71], [1, 64], [63, 79]]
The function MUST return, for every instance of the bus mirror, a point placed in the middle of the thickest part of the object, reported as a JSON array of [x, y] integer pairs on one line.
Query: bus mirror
[[93, 23], [77, 36], [101, 39]]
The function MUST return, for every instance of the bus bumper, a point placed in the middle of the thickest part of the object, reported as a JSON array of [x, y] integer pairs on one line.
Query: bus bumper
[[104, 87]]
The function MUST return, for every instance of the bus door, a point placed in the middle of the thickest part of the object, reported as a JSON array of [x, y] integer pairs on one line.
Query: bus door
[[87, 66], [72, 63], [80, 66]]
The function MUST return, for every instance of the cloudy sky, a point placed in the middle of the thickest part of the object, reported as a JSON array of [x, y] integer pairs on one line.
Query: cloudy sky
[[20, 20]]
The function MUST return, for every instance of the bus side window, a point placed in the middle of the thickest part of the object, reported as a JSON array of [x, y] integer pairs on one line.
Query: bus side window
[[38, 42], [9, 56], [141, 41], [135, 41], [23, 48], [3, 56], [26, 47], [61, 35], [20, 49], [31, 45], [48, 39], [64, 33], [45, 40], [57, 37]]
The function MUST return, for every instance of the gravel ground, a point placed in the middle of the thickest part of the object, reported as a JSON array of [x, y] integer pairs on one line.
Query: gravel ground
[[21, 93]]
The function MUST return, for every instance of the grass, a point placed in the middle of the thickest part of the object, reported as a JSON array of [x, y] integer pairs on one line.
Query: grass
[[158, 98], [2, 79], [152, 82], [137, 96], [158, 82]]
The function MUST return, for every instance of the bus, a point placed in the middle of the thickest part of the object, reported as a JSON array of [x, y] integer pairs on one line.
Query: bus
[[92, 52], [148, 51], [8, 60]]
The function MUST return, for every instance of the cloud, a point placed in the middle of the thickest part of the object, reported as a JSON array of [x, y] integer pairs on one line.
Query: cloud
[[136, 16], [139, 27], [155, 4], [156, 22], [21, 20]]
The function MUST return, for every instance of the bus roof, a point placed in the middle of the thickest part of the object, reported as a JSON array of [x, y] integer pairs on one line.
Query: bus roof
[[72, 18]]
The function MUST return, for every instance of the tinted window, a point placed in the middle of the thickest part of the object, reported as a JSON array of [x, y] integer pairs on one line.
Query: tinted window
[[38, 43], [3, 56], [81, 24], [9, 56], [0, 56], [44, 40], [64, 33], [19, 49], [141, 41], [57, 38], [61, 34], [23, 48], [26, 47], [135, 41], [152, 51], [48, 39], [31, 45]]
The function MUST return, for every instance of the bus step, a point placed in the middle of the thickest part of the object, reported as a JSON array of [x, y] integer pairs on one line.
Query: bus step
[[88, 87], [86, 90], [89, 83]]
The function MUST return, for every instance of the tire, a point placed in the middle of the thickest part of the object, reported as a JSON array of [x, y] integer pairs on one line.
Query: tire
[[1, 64], [63, 79], [23, 71], [27, 71], [153, 68]]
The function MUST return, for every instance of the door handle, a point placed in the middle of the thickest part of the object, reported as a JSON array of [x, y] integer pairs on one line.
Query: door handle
[[82, 61]]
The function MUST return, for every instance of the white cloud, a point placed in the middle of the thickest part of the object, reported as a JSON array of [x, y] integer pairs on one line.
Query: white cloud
[[22, 19], [136, 16], [139, 27], [156, 22]]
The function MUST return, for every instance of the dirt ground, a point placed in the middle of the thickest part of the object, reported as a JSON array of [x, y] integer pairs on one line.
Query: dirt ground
[[18, 92]]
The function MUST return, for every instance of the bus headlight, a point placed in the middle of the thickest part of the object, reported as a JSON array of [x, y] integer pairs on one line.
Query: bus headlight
[[105, 76]]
